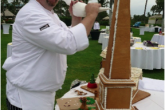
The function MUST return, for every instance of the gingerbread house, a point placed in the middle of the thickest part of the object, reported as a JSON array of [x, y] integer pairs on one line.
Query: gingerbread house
[[116, 86]]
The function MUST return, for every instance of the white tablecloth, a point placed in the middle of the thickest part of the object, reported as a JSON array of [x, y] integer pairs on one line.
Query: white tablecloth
[[156, 89], [153, 102], [152, 29], [148, 29], [158, 38], [9, 49], [103, 30], [137, 39], [6, 28], [147, 58], [105, 42], [142, 29], [101, 37]]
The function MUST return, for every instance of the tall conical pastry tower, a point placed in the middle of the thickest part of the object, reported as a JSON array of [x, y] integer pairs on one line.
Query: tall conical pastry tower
[[116, 87]]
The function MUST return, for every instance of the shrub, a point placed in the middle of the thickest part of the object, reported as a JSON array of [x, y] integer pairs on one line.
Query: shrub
[[101, 16], [66, 20], [142, 24], [1, 21], [104, 23], [9, 21], [157, 25]]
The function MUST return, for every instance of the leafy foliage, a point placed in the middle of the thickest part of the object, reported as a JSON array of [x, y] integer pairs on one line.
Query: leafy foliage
[[104, 23], [145, 7], [103, 2], [4, 3], [100, 18], [141, 18], [9, 21], [1, 21], [86, 1], [66, 20], [61, 9], [90, 101], [13, 6], [159, 7], [92, 80]]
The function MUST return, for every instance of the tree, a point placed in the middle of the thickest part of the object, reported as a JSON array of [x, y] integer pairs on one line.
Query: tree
[[141, 18], [161, 7], [148, 14], [4, 3], [61, 9], [103, 2], [153, 9], [101, 16], [86, 1], [25, 1], [13, 5], [145, 7]]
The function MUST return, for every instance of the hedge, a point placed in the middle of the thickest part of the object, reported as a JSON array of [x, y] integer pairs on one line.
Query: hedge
[[104, 23], [66, 20]]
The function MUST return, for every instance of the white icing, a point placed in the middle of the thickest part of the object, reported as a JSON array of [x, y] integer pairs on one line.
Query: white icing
[[135, 94], [136, 73], [114, 38], [97, 105], [116, 80], [102, 92], [105, 98], [100, 72], [104, 53], [100, 88], [131, 97]]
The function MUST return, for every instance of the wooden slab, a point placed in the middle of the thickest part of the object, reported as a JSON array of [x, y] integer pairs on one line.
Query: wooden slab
[[70, 103], [92, 90], [140, 96]]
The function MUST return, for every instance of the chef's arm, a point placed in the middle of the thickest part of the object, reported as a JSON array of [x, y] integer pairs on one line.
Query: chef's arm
[[92, 10]]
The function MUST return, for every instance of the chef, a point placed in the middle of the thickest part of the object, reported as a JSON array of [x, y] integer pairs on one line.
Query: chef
[[96, 26], [40, 43]]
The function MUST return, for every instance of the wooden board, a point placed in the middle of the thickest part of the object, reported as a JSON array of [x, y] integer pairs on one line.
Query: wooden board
[[140, 96], [92, 90], [70, 103]]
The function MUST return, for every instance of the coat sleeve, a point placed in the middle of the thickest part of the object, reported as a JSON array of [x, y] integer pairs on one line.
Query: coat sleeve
[[42, 31]]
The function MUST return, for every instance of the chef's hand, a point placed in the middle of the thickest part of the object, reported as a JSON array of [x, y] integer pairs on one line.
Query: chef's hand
[[75, 19], [92, 9]]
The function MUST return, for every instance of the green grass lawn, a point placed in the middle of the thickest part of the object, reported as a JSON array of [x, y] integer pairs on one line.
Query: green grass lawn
[[80, 65]]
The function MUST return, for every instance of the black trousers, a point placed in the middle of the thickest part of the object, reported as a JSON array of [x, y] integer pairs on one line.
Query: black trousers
[[10, 106]]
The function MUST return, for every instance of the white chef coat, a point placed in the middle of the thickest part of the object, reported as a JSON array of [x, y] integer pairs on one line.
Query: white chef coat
[[96, 26], [40, 43]]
